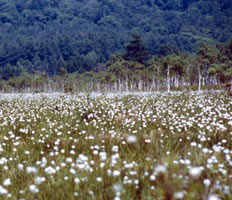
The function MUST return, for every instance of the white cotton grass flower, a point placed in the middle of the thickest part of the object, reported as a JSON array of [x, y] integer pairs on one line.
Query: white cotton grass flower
[[7, 182], [1, 149], [213, 197], [116, 173], [115, 148], [83, 157], [3, 160], [102, 165], [50, 170], [224, 141], [131, 139], [3, 190], [95, 152], [103, 156], [193, 144], [109, 172], [72, 171], [63, 164], [72, 152], [160, 169], [178, 195], [59, 133], [99, 179], [33, 189], [152, 177], [81, 166], [152, 187], [117, 187], [195, 172], [39, 180], [27, 152], [31, 170], [207, 182], [77, 180], [205, 150], [69, 160]]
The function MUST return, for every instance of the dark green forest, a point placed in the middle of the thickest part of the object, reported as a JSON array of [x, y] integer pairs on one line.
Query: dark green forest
[[43, 36]]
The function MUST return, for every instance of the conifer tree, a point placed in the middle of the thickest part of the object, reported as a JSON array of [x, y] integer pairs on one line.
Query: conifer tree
[[136, 51]]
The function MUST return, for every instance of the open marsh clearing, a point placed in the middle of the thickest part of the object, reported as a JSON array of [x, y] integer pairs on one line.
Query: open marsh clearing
[[176, 146]]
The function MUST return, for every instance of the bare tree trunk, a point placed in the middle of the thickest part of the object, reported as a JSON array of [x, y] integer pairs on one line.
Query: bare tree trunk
[[199, 79], [168, 78], [62, 86], [177, 81], [115, 85], [119, 85], [153, 82], [127, 80], [158, 80], [188, 76], [45, 88], [75, 87], [91, 84], [140, 83], [133, 85], [98, 87]]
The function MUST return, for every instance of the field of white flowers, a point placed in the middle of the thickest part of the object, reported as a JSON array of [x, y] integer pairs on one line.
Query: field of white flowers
[[158, 146]]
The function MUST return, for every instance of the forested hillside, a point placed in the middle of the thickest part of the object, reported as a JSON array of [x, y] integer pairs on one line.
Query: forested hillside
[[80, 35]]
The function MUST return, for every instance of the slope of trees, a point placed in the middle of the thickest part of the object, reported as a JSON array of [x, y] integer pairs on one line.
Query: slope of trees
[[81, 35]]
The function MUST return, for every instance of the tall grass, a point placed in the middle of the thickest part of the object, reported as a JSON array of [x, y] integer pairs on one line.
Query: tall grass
[[116, 147]]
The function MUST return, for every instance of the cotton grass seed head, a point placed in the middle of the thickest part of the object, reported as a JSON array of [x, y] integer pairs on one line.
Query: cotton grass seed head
[[213, 197], [33, 189], [3, 190], [178, 195], [77, 180], [39, 180], [31, 170], [7, 182], [131, 139], [195, 172], [50, 170], [117, 187], [207, 182], [116, 173], [99, 179], [160, 169]]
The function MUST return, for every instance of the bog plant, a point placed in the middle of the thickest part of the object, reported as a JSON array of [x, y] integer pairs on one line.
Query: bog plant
[[116, 146]]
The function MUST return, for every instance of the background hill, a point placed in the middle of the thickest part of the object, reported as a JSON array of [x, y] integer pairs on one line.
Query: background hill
[[79, 35]]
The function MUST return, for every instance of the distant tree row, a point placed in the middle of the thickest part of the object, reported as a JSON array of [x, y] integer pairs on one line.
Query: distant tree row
[[136, 70]]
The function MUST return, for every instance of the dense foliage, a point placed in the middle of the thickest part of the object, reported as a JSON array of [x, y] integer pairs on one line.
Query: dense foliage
[[80, 35]]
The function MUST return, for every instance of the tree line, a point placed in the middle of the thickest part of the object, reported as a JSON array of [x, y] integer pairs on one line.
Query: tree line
[[137, 70]]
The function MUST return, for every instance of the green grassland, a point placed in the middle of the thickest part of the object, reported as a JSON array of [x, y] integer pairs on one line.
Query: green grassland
[[155, 146]]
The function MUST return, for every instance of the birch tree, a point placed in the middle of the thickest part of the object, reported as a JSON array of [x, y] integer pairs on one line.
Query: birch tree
[[173, 65], [206, 56]]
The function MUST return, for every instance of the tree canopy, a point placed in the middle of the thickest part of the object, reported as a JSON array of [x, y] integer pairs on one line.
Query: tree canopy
[[136, 51], [46, 35]]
